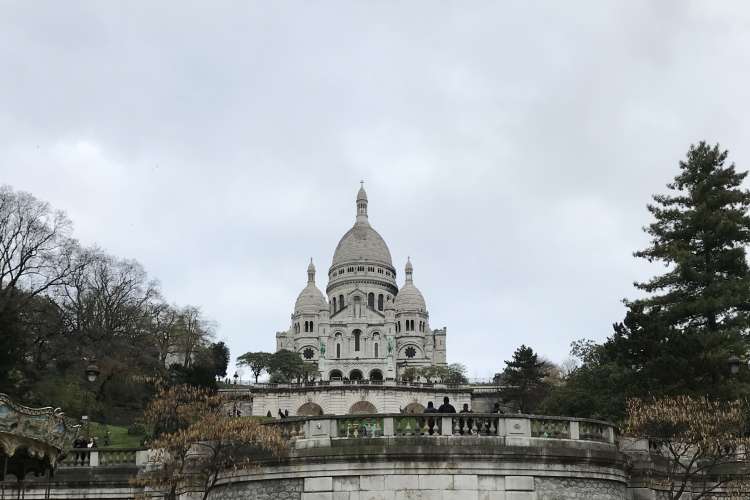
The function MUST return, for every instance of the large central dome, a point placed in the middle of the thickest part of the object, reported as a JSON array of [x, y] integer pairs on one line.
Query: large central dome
[[362, 242]]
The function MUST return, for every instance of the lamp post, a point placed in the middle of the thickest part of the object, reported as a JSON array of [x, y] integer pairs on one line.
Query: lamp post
[[92, 373], [733, 362]]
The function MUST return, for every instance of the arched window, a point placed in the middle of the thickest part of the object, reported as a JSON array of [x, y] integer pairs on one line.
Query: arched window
[[357, 306], [341, 302], [371, 300], [334, 304], [311, 326], [380, 302], [376, 350], [338, 351], [305, 325], [357, 334]]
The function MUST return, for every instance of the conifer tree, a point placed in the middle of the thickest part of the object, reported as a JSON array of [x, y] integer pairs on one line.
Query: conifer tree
[[524, 376], [678, 338]]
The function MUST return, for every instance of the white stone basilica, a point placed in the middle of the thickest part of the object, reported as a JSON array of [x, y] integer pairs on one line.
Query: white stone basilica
[[368, 328]]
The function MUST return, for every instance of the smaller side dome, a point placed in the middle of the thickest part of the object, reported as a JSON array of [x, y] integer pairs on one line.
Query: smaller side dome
[[409, 298], [310, 300]]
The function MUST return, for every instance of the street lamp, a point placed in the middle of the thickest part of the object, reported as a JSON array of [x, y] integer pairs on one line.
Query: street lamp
[[734, 364], [92, 372]]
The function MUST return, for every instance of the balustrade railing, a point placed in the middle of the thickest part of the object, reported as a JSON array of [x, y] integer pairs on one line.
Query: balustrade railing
[[356, 427], [550, 428], [95, 457], [291, 428], [512, 426], [593, 431], [418, 425]]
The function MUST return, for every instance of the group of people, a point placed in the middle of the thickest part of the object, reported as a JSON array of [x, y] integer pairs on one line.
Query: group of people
[[82, 442], [447, 407]]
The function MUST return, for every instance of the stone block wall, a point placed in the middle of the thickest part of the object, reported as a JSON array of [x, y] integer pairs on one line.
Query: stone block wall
[[274, 489], [575, 489], [425, 487]]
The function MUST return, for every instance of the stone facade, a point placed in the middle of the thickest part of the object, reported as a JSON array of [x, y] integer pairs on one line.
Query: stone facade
[[340, 399], [575, 489], [285, 489], [365, 327]]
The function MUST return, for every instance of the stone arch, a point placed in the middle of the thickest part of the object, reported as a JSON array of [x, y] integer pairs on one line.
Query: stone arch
[[309, 409], [414, 407], [335, 375], [376, 375], [355, 375], [361, 407]]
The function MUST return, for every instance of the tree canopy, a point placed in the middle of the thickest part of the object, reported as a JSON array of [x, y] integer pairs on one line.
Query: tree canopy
[[64, 307], [678, 337], [524, 376]]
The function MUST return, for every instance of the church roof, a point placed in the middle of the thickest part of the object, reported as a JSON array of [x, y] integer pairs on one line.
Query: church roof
[[362, 242], [310, 300], [409, 298]]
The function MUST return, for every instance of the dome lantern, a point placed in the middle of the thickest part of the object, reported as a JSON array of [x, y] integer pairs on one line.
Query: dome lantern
[[361, 203], [311, 272], [409, 270]]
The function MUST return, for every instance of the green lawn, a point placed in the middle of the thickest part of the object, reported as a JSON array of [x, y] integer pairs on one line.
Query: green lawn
[[118, 436]]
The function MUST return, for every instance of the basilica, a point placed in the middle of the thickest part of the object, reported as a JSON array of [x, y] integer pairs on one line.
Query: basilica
[[364, 327]]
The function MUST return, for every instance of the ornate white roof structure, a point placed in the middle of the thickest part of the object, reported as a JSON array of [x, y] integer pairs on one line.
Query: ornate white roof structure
[[409, 298], [310, 299], [359, 243], [362, 242]]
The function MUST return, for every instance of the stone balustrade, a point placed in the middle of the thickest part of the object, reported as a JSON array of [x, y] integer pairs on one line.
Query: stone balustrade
[[100, 457], [516, 429]]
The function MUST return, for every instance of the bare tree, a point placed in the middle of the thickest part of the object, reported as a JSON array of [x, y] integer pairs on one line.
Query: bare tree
[[163, 328], [36, 250], [698, 445], [194, 331]]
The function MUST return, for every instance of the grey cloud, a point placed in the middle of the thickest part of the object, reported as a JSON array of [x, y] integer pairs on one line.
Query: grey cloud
[[509, 148]]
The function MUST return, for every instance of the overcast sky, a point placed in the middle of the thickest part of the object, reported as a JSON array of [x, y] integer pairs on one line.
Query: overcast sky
[[509, 148]]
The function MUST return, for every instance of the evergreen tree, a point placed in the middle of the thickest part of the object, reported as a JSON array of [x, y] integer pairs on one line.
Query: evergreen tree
[[678, 338], [524, 375]]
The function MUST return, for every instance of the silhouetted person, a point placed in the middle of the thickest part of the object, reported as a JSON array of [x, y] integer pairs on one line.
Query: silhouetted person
[[469, 421], [269, 414], [430, 421], [286, 413], [79, 443], [446, 407], [281, 414], [497, 409]]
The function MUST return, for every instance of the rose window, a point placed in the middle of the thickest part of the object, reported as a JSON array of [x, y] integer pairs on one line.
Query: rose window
[[410, 352], [308, 353]]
